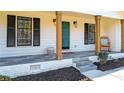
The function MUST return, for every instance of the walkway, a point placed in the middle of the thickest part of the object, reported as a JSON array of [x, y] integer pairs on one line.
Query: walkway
[[111, 75]]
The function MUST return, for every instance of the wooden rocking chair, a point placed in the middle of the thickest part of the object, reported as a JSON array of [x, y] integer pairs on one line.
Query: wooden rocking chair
[[105, 44]]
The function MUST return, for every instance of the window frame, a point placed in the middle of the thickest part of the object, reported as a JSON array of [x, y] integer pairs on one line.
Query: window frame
[[24, 28], [86, 37], [32, 32]]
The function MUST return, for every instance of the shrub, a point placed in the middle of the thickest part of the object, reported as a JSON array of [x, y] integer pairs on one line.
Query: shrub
[[103, 56], [4, 78]]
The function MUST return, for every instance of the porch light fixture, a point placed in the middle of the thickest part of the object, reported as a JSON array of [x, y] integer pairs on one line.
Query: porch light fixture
[[54, 21], [75, 24]]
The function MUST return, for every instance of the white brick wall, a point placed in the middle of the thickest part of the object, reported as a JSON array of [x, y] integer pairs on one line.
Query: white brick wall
[[25, 69]]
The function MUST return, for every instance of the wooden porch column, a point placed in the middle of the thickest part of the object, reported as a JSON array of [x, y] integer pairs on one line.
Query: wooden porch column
[[97, 33], [58, 35], [122, 35]]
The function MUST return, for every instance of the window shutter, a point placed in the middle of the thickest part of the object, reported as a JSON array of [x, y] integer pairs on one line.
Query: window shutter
[[86, 33], [10, 31], [36, 31]]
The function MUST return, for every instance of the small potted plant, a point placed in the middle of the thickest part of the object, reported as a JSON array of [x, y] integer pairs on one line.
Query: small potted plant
[[103, 56]]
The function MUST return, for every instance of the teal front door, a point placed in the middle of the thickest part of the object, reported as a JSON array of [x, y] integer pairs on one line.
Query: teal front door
[[65, 35]]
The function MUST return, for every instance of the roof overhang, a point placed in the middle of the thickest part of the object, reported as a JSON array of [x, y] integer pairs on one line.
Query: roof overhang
[[111, 14]]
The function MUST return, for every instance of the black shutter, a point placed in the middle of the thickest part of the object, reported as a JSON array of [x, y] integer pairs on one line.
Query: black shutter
[[36, 31], [10, 31], [86, 33]]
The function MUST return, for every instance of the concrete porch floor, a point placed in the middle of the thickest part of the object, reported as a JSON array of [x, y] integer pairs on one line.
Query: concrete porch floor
[[42, 58]]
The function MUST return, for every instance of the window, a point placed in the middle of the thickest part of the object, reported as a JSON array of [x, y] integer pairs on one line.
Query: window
[[24, 31], [27, 29], [89, 33]]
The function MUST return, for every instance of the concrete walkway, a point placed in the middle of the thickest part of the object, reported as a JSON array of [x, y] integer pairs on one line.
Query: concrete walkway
[[111, 75]]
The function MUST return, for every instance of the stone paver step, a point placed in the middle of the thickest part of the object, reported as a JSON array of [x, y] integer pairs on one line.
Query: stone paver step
[[83, 63], [87, 68], [80, 59], [93, 73]]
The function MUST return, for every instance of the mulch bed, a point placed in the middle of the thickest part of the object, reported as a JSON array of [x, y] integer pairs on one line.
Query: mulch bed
[[111, 64], [64, 74]]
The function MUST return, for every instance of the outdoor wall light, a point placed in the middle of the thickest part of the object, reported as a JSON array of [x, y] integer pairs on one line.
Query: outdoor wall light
[[75, 24], [54, 21]]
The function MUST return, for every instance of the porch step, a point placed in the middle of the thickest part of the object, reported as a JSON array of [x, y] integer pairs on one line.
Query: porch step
[[83, 63], [79, 59], [87, 68]]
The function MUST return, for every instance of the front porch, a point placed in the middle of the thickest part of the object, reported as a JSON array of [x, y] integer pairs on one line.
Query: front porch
[[51, 33], [65, 32], [7, 61], [42, 58], [33, 64]]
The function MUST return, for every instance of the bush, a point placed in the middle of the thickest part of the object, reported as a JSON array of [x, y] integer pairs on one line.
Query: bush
[[103, 56], [4, 78]]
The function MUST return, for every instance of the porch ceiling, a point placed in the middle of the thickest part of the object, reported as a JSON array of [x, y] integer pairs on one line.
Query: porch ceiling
[[111, 14]]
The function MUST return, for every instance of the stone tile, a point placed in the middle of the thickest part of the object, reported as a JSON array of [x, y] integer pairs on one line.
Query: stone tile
[[93, 73]]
